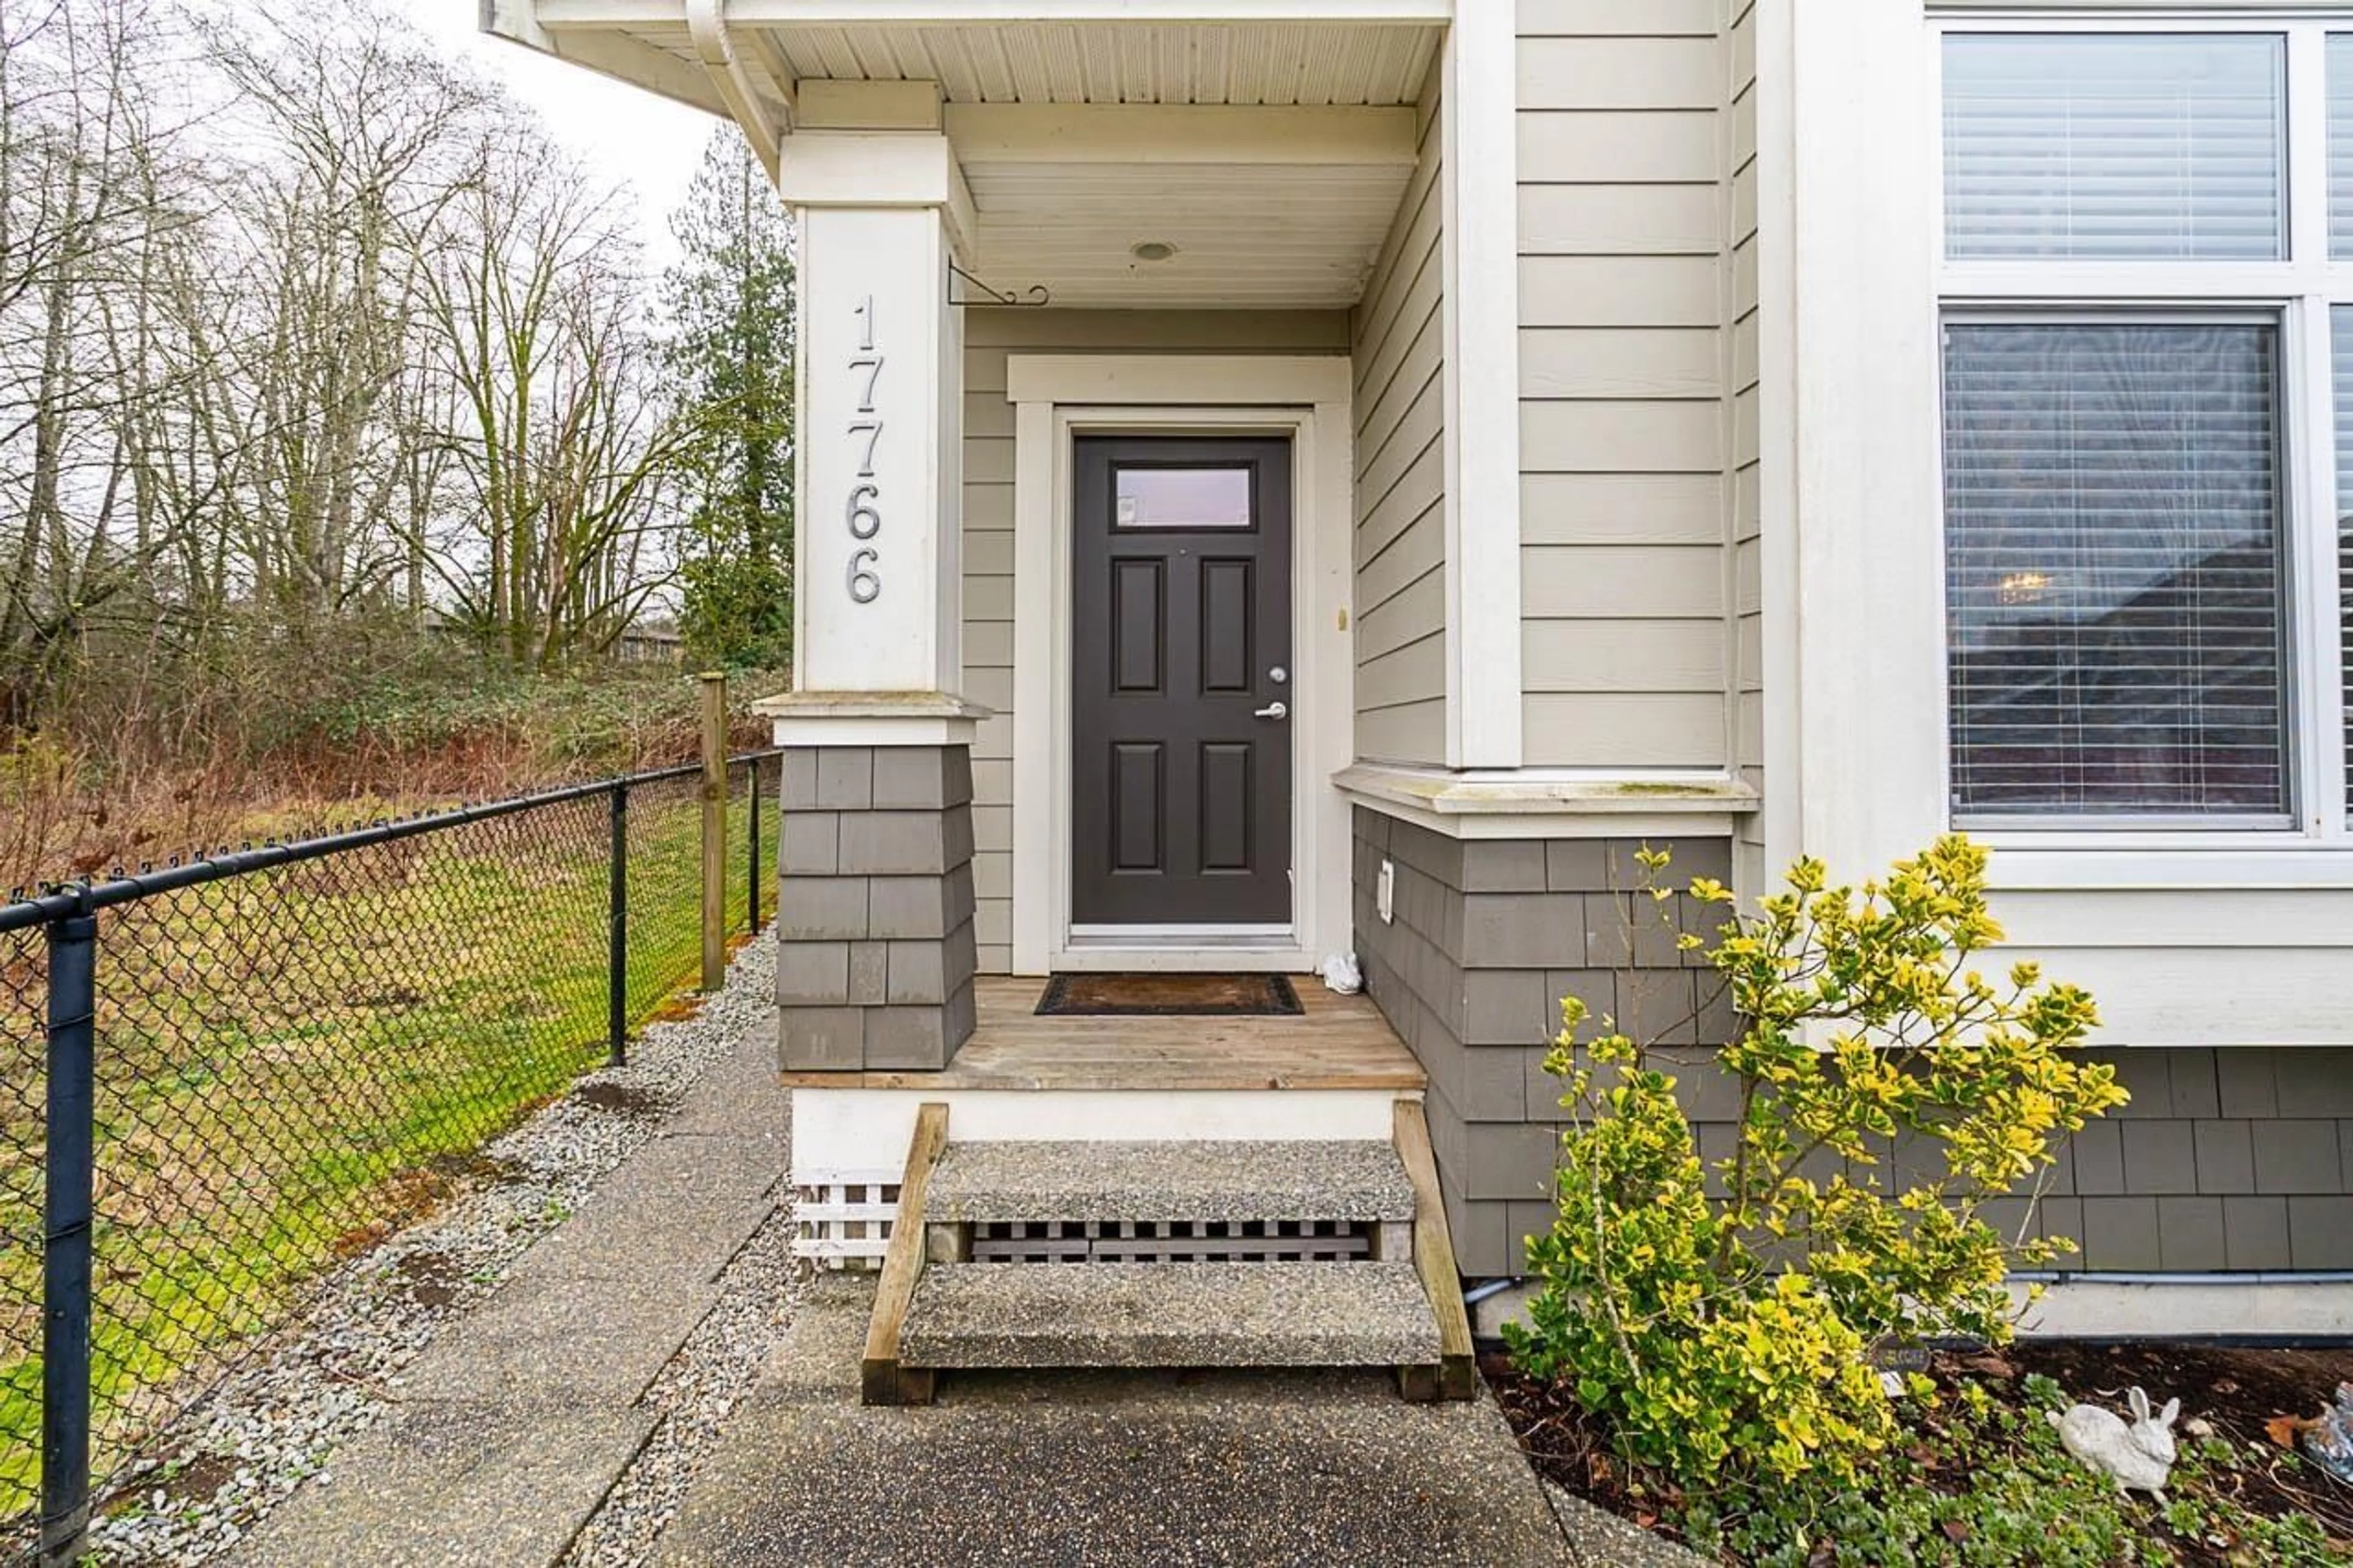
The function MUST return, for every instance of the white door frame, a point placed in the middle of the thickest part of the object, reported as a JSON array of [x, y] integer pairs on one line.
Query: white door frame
[[1057, 397]]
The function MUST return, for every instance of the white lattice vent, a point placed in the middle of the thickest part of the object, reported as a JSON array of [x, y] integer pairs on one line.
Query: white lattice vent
[[842, 1219], [1172, 1241]]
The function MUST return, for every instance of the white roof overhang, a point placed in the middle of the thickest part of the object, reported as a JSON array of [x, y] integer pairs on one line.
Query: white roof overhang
[[1266, 143]]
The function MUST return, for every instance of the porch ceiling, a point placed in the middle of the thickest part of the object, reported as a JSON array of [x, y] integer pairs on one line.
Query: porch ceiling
[[1277, 208], [1267, 157]]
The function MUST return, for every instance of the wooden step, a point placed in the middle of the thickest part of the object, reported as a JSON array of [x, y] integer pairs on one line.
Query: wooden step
[[1218, 1183], [1169, 1314], [1255, 1302]]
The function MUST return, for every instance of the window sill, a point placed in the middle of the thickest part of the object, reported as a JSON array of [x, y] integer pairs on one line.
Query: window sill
[[2165, 862]]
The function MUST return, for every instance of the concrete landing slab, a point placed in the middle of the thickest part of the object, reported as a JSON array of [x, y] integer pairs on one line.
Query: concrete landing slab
[[1218, 1181], [456, 1485], [1169, 1314], [1106, 1469]]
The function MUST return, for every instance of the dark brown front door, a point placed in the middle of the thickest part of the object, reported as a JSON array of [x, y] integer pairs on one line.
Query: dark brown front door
[[1181, 567]]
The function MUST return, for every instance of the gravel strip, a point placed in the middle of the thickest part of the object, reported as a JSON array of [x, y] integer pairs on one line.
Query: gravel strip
[[277, 1417]]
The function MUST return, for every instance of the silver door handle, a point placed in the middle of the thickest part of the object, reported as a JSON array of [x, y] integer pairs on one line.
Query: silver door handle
[[1275, 710]]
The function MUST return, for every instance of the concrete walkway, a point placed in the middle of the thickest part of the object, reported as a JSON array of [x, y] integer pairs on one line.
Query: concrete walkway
[[1105, 1470], [515, 1424]]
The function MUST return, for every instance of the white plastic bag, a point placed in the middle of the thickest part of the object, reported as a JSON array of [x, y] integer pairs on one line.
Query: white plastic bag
[[1342, 975]]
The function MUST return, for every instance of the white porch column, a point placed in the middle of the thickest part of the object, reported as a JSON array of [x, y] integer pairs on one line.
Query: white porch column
[[874, 921], [882, 410]]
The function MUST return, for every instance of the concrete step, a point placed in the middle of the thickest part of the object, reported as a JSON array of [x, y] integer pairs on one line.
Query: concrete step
[[1169, 1314], [1221, 1182]]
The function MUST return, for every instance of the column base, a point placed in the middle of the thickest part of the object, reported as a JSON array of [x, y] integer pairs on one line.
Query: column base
[[874, 911]]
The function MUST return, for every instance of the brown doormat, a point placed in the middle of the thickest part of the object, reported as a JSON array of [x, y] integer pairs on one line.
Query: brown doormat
[[1169, 997]]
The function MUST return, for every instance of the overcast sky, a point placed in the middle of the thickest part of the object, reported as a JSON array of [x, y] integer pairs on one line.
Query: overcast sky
[[653, 143]]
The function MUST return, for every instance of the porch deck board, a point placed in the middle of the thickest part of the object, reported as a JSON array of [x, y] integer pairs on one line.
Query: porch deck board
[[1341, 1042]]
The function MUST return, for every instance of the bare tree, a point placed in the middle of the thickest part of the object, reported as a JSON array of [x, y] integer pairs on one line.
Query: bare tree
[[560, 446], [302, 327]]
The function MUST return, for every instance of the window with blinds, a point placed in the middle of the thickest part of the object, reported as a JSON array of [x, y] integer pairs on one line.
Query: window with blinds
[[2340, 145], [2118, 145], [2115, 570]]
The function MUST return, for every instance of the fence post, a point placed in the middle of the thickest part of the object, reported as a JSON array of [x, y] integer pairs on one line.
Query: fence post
[[617, 948], [66, 1248], [752, 880], [715, 832]]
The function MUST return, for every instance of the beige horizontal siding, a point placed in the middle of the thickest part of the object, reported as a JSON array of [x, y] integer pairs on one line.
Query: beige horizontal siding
[[1626, 363], [1602, 18], [1646, 74], [1582, 220], [1621, 291], [1397, 347], [991, 338], [1621, 508], [1613, 147], [1625, 443]]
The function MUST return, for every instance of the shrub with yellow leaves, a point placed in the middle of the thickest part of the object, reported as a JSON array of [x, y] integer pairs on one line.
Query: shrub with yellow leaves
[[1718, 1318]]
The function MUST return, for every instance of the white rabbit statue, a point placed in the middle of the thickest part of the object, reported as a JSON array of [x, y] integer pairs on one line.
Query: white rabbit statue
[[2139, 1456]]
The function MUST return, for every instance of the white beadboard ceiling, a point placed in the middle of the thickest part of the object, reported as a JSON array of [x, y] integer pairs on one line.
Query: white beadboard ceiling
[[1247, 236], [1261, 214], [1098, 62]]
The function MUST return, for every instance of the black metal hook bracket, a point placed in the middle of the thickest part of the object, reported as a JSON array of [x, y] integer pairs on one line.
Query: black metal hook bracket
[[1036, 295]]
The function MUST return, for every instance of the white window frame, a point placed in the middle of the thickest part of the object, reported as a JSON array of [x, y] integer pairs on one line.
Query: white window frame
[[2298, 292]]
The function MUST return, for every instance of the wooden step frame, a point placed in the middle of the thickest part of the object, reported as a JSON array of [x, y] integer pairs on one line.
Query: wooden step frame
[[881, 1379], [885, 1380], [1456, 1375]]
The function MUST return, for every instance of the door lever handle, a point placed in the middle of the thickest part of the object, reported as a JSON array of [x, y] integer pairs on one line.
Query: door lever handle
[[1275, 710]]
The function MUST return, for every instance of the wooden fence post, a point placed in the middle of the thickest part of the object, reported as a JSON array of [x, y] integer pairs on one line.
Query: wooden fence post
[[715, 832]]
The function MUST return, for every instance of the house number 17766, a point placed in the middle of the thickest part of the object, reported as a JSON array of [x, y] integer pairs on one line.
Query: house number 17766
[[863, 511]]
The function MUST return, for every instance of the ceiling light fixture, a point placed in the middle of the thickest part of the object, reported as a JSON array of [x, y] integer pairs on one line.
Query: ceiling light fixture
[[1152, 250]]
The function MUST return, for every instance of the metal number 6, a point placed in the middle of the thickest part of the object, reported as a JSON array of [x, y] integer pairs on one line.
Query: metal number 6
[[865, 587], [865, 521]]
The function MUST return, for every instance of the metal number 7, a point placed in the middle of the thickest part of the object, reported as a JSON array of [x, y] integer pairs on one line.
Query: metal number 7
[[874, 431], [872, 365]]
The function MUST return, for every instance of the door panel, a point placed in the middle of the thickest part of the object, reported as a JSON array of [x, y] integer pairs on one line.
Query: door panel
[[1225, 808], [1139, 629], [1137, 827], [1228, 661], [1181, 805]]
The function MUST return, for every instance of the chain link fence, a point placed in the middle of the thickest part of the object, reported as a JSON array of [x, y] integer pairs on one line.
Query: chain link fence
[[219, 1078]]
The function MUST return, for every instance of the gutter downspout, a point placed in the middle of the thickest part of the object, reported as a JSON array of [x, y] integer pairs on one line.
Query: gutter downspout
[[717, 48]]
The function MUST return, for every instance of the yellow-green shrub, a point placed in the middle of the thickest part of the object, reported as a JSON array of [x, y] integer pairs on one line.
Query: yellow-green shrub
[[1718, 1316]]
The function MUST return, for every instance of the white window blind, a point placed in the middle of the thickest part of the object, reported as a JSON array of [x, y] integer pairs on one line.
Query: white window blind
[[2340, 145], [2140, 146], [2113, 569]]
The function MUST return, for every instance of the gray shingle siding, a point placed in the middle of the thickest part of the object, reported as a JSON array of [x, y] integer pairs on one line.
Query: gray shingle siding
[[1488, 937], [2228, 1159]]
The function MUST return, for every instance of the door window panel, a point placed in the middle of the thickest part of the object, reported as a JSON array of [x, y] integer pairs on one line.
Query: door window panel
[[1182, 498]]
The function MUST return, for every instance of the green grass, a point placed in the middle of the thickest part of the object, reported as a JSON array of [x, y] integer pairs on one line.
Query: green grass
[[287, 1062]]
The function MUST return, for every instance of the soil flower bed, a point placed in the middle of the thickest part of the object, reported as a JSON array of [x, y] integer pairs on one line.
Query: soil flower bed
[[1981, 1477]]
